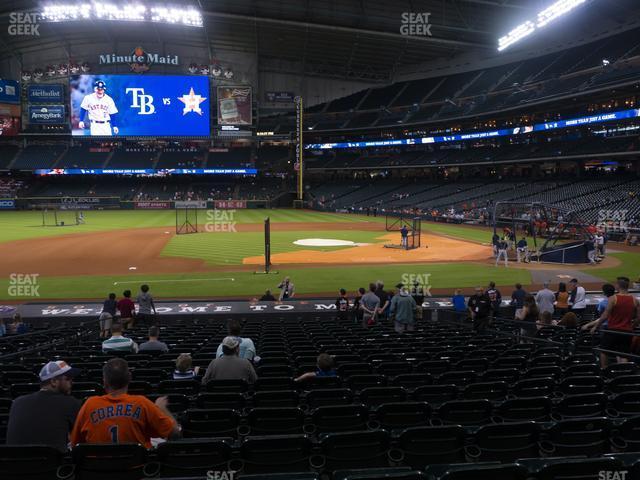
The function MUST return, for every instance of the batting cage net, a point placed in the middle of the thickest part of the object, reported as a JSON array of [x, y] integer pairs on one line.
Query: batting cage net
[[186, 220], [553, 234], [411, 226], [55, 217]]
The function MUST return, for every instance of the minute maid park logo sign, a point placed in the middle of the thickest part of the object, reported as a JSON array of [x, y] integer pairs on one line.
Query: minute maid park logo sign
[[139, 60]]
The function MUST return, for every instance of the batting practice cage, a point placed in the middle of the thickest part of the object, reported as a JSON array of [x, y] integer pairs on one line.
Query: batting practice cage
[[554, 234], [55, 217], [186, 220], [414, 231]]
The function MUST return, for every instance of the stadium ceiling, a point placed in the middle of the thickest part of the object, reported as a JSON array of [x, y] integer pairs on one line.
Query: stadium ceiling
[[349, 39]]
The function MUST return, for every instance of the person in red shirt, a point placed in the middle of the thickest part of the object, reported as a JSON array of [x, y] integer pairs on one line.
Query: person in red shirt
[[622, 312], [127, 309], [118, 417]]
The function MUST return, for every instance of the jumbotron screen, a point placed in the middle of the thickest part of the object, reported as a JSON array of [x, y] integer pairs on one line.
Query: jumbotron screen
[[134, 105]]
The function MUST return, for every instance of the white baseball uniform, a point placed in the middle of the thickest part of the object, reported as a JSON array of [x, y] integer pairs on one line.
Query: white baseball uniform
[[99, 111]]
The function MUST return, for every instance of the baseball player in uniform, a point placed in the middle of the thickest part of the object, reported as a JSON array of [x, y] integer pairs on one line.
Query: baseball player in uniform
[[101, 109]]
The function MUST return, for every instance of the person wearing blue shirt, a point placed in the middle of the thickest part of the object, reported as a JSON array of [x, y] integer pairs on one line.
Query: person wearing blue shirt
[[247, 347], [325, 368]]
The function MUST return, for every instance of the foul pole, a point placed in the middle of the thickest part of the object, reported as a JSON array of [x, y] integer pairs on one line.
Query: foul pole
[[299, 148]]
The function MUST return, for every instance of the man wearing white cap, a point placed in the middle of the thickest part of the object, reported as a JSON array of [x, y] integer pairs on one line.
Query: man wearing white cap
[[230, 366], [45, 417]]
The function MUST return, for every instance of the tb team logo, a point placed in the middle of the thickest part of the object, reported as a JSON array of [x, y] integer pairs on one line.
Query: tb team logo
[[144, 102]]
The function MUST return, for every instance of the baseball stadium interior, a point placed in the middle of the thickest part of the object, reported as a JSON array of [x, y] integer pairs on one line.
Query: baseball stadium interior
[[320, 240]]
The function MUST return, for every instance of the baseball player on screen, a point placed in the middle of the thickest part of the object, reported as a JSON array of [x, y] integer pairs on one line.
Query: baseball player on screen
[[101, 110]]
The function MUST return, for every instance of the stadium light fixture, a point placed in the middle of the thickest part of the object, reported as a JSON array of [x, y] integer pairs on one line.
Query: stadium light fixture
[[132, 12], [544, 17]]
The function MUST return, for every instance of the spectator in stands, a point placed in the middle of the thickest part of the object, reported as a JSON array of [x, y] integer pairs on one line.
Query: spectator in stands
[[577, 298], [370, 306], [118, 417], [184, 368], [622, 313], [342, 305], [562, 299], [609, 291], [153, 344], [530, 314], [127, 309], [267, 297], [325, 368], [230, 366], [502, 252], [105, 320], [418, 297], [110, 305], [569, 320], [247, 347], [479, 307], [357, 305], [146, 307], [496, 299], [402, 309], [545, 299], [517, 299], [117, 343], [287, 289], [45, 417], [383, 309], [459, 304], [17, 326], [545, 320]]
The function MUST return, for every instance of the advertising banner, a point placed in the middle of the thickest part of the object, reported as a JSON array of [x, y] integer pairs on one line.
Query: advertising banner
[[234, 105], [9, 91], [51, 114], [191, 204], [230, 204], [152, 205], [280, 97], [45, 94]]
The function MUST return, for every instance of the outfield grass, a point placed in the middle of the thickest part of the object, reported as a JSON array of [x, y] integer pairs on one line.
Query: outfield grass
[[28, 224], [226, 249]]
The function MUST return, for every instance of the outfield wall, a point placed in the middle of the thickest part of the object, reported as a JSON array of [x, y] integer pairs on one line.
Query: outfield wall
[[115, 203]]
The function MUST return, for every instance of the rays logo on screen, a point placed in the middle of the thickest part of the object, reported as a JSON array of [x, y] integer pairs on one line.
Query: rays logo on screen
[[142, 101]]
